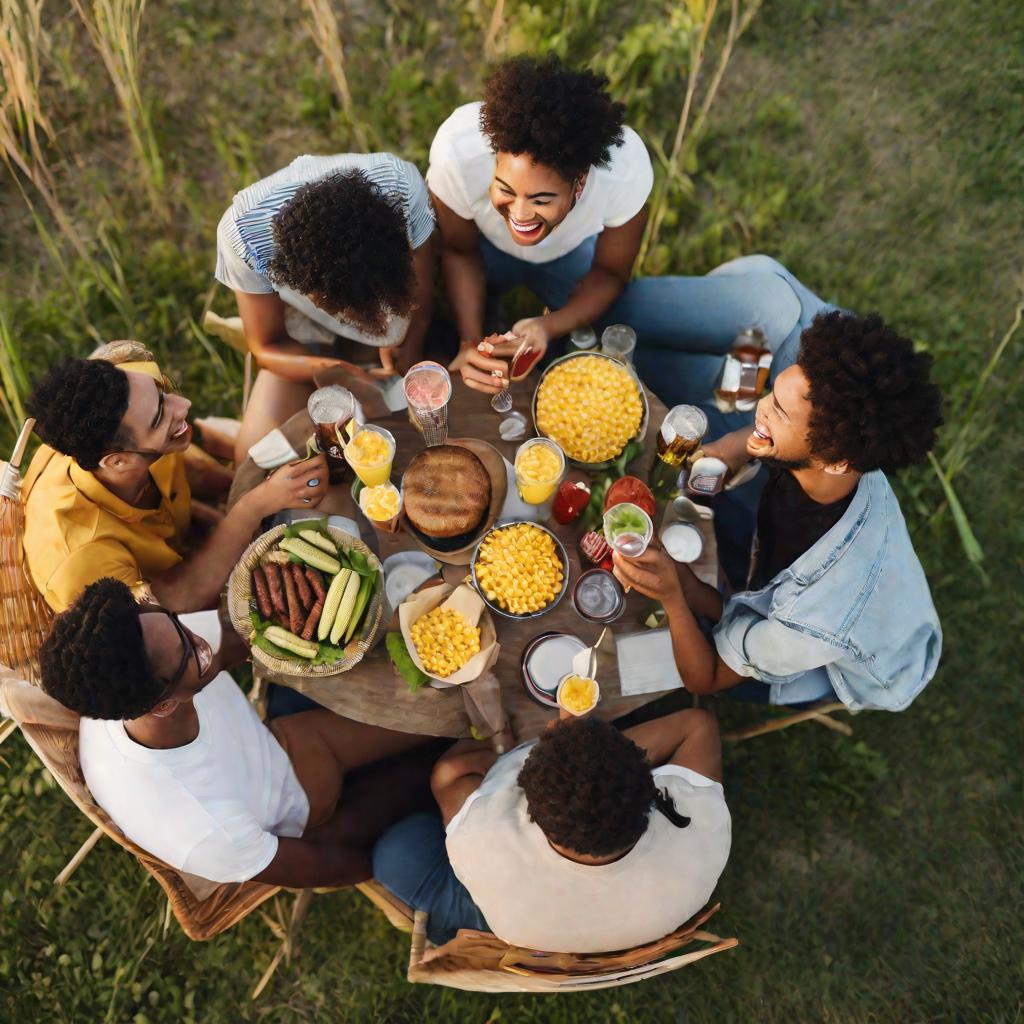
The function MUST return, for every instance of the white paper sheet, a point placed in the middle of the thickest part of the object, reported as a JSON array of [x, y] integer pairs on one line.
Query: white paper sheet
[[646, 663], [272, 451]]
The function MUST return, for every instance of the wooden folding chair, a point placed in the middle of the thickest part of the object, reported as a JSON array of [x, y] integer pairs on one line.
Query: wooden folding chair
[[480, 962], [202, 908], [820, 713]]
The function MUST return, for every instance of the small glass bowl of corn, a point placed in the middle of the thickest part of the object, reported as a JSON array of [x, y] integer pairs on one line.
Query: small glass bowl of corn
[[520, 569], [577, 694]]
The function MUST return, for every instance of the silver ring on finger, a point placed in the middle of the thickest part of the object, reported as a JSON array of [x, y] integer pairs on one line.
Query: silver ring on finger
[[313, 482]]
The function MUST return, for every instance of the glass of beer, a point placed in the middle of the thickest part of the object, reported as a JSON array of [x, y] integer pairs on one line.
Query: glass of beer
[[335, 412], [681, 433]]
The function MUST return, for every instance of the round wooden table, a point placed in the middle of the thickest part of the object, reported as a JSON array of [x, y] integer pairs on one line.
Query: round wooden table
[[373, 692]]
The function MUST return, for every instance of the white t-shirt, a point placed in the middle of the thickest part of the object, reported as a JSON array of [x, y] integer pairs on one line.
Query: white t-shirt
[[462, 168], [245, 238], [532, 896], [214, 807]]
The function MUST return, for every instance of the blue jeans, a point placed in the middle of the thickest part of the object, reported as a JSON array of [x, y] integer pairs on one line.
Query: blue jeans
[[552, 282], [410, 860], [684, 325]]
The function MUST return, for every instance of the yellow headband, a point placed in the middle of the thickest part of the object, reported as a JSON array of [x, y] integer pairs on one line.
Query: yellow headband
[[148, 367]]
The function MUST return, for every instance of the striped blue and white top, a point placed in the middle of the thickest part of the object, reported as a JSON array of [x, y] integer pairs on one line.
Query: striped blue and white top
[[245, 238]]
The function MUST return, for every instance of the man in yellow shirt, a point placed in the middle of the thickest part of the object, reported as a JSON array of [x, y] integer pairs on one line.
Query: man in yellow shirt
[[107, 494]]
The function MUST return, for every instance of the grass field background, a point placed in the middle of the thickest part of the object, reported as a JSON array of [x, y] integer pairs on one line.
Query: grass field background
[[873, 147]]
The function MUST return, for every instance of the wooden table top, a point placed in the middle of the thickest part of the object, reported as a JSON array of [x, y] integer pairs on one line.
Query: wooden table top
[[373, 692]]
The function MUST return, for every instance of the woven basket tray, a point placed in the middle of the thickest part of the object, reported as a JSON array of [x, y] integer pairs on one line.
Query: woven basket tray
[[241, 604]]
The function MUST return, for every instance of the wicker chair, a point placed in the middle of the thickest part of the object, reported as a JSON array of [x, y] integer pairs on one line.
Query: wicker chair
[[480, 962], [203, 908]]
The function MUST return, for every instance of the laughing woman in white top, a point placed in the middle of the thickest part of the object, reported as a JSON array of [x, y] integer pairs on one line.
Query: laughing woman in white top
[[541, 184], [587, 840], [329, 246]]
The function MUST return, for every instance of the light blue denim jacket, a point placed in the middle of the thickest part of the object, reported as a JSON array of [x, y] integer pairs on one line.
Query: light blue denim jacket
[[853, 614]]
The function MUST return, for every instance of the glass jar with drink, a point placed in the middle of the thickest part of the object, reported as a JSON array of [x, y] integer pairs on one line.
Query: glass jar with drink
[[628, 529], [680, 435], [428, 387], [539, 466], [371, 452], [336, 415]]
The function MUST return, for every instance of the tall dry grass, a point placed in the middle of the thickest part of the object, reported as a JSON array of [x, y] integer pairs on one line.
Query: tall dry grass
[[322, 23], [114, 27], [26, 133], [687, 135]]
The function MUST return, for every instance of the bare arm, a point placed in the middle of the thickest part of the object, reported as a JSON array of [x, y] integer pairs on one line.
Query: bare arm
[[699, 664], [458, 774], [463, 270], [609, 273], [687, 738], [731, 449], [681, 594], [196, 581], [271, 347], [399, 358], [301, 864], [614, 257]]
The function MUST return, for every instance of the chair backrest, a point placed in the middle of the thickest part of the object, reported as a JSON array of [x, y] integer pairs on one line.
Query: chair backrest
[[477, 961], [202, 908]]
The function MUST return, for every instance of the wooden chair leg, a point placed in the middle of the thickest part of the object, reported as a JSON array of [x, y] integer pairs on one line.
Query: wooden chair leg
[[83, 851], [834, 724], [284, 952], [418, 944], [775, 724], [247, 376]]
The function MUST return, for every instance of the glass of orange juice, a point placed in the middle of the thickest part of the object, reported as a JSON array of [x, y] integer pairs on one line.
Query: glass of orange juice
[[370, 453], [540, 464]]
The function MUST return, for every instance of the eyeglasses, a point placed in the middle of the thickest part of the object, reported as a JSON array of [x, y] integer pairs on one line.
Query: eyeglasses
[[188, 649]]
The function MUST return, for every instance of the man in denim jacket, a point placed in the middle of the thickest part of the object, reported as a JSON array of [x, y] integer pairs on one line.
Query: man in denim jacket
[[837, 604]]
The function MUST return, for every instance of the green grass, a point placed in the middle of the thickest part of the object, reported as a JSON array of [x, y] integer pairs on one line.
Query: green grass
[[873, 147]]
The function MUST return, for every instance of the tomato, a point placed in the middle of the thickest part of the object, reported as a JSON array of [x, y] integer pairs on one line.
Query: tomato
[[630, 488]]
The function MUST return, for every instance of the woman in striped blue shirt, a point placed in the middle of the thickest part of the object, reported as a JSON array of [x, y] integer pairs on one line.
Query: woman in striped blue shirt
[[329, 246]]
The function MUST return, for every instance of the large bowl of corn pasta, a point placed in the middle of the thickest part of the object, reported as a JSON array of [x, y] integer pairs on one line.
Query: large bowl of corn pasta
[[591, 406], [520, 569]]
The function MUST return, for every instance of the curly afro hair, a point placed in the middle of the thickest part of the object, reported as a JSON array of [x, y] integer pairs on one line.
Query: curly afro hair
[[94, 661], [872, 403], [343, 241], [588, 787], [78, 406], [562, 119]]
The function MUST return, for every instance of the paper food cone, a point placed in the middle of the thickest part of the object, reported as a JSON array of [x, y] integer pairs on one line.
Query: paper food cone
[[467, 602]]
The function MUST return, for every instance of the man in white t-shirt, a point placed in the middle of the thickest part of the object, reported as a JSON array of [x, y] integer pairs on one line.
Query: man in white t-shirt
[[541, 184], [570, 843], [171, 749], [328, 246]]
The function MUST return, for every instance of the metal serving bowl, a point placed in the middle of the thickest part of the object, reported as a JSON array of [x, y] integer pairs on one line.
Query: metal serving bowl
[[561, 554], [644, 419]]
